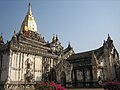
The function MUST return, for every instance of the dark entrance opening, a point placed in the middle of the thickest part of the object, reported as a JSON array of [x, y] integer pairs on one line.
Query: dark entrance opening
[[52, 76], [63, 78]]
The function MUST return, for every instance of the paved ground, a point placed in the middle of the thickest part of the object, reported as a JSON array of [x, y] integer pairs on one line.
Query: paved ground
[[87, 89]]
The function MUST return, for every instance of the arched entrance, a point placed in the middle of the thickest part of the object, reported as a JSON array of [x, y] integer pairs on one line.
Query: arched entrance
[[63, 78], [52, 76]]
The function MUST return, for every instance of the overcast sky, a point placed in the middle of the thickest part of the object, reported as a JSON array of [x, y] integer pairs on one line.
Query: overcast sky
[[85, 23]]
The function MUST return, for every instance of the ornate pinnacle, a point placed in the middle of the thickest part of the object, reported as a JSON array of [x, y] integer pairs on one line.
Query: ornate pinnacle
[[29, 9]]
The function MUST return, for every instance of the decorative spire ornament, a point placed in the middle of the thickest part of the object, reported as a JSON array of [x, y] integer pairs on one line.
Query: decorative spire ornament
[[28, 23], [29, 9], [69, 46]]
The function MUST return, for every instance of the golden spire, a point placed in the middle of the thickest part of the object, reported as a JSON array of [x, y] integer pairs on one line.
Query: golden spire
[[29, 9], [29, 23]]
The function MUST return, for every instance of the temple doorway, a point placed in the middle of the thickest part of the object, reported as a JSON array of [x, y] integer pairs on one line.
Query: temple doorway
[[63, 78], [53, 75]]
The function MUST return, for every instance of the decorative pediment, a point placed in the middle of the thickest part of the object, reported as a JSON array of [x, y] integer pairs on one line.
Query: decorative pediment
[[64, 66]]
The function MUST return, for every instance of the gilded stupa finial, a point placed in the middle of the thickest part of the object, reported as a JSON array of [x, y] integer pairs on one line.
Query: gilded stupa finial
[[29, 9], [28, 23]]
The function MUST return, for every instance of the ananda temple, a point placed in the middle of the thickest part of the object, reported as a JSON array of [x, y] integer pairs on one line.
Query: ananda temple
[[28, 58]]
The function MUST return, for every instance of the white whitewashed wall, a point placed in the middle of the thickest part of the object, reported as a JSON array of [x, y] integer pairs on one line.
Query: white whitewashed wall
[[17, 66], [38, 68]]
